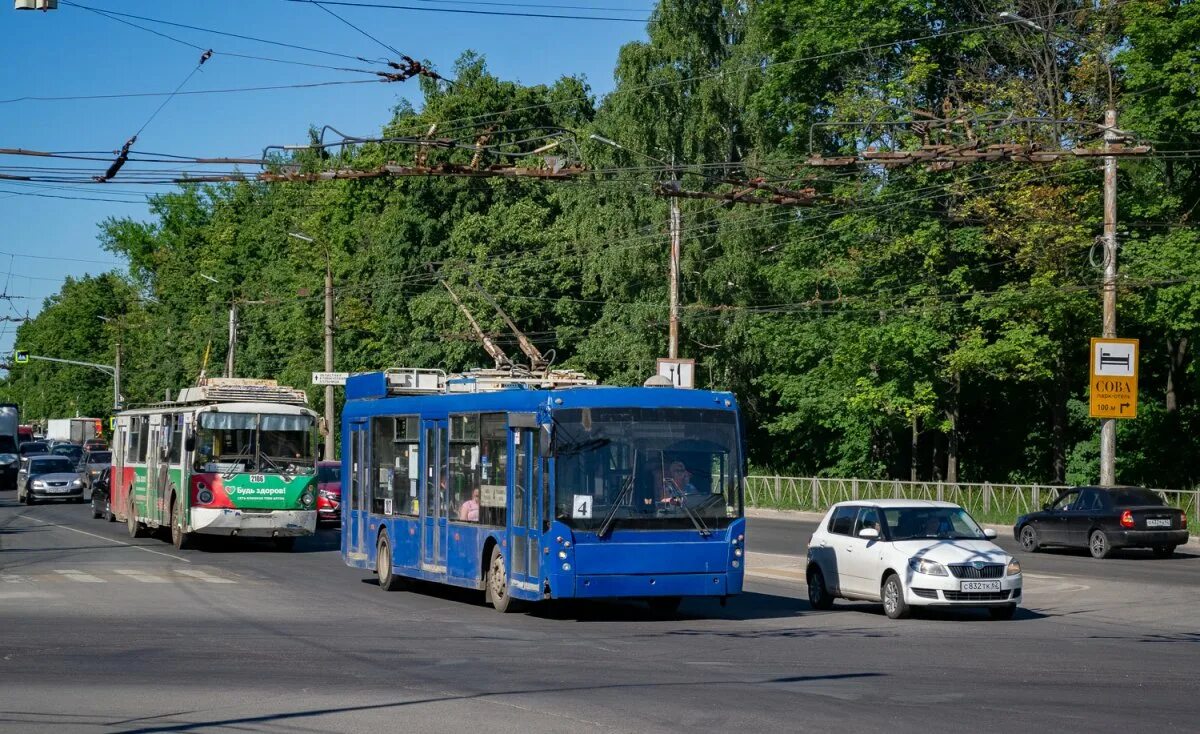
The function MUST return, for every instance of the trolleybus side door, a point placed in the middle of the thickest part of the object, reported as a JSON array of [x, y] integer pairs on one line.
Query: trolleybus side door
[[358, 507], [524, 522], [434, 494], [154, 459]]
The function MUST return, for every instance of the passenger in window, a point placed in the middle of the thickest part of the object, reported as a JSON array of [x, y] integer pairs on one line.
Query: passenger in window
[[470, 509]]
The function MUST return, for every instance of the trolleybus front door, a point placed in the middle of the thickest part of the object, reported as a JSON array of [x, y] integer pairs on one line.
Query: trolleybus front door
[[359, 506], [524, 523], [434, 494]]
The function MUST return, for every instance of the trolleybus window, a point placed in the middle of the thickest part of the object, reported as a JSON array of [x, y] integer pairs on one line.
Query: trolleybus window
[[395, 450], [239, 442], [493, 469], [465, 492], [647, 468]]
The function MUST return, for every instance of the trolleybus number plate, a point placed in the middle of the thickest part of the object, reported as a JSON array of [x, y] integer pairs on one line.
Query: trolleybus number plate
[[257, 479]]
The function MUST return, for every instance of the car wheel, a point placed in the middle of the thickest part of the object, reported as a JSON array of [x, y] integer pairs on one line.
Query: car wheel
[[893, 598], [1098, 544], [497, 584], [1164, 551], [1003, 613], [388, 581], [96, 514], [1029, 539], [818, 594]]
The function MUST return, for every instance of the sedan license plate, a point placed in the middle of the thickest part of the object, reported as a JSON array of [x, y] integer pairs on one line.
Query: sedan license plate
[[980, 586], [1158, 522], [59, 490]]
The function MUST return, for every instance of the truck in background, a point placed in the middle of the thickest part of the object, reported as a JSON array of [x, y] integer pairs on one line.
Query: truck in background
[[10, 431], [75, 430]]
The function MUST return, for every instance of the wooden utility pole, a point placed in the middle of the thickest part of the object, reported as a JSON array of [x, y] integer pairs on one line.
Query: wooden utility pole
[[1108, 427]]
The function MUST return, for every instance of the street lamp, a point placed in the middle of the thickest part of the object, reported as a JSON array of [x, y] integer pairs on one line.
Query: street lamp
[[675, 228], [36, 5], [1108, 426], [329, 424]]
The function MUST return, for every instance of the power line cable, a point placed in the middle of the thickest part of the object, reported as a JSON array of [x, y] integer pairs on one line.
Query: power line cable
[[387, 46], [464, 11], [84, 97]]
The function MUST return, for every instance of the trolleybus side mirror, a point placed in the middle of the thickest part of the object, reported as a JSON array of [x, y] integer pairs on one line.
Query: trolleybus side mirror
[[189, 444], [323, 426]]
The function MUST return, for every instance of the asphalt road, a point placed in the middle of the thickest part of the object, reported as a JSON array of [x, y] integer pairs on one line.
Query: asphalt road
[[99, 633]]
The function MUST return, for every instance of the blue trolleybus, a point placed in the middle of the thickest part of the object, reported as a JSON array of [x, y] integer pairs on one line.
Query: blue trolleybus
[[545, 487]]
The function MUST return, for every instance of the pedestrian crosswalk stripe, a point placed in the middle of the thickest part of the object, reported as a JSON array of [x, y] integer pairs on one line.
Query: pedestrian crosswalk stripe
[[202, 576], [80, 576], [142, 576]]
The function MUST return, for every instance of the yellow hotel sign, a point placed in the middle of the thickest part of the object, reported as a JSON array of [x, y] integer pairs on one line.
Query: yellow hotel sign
[[1113, 378]]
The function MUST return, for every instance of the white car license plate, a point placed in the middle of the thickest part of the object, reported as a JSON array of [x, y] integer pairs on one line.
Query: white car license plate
[[1156, 522], [980, 586], [59, 490]]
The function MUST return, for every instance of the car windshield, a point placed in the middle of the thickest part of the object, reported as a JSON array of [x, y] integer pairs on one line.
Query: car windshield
[[1134, 497], [931, 523], [56, 465], [647, 468], [250, 442], [328, 474], [100, 457], [71, 452], [33, 447]]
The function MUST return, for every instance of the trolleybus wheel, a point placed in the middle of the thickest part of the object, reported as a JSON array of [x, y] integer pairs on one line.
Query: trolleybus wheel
[[131, 523], [388, 580], [285, 544], [497, 584], [179, 538]]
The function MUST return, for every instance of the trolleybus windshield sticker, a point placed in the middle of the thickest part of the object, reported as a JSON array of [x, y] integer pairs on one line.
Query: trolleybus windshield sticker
[[492, 495], [582, 506]]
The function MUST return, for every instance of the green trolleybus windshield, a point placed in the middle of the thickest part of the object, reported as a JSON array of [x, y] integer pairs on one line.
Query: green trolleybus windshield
[[237, 443], [647, 468]]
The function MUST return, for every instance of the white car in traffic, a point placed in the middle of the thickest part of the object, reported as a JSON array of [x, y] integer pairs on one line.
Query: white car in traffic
[[910, 553]]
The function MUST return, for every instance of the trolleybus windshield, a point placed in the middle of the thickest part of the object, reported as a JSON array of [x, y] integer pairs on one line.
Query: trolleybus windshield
[[647, 468], [252, 442]]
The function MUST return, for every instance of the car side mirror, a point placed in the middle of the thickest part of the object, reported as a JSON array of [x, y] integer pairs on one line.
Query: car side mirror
[[189, 443], [868, 533], [989, 533]]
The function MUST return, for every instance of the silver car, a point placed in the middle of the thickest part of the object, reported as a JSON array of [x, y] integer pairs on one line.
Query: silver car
[[48, 478]]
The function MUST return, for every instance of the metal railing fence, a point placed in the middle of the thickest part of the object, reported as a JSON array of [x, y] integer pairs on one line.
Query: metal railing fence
[[987, 501]]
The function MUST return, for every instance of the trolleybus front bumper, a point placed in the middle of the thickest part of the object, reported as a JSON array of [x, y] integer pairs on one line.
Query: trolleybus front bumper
[[254, 523], [672, 584]]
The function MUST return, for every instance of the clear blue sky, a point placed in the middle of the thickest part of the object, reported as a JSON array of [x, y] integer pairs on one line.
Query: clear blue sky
[[71, 52]]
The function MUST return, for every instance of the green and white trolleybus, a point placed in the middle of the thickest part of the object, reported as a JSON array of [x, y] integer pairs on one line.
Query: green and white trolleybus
[[232, 457]]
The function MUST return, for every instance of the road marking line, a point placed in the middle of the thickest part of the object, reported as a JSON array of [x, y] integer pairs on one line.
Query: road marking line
[[101, 537], [202, 576], [80, 576], [142, 576], [9, 579]]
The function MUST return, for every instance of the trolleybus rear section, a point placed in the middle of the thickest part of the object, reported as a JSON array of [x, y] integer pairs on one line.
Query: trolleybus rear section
[[532, 490]]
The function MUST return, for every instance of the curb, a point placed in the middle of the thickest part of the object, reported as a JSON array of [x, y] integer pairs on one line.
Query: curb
[[1004, 531]]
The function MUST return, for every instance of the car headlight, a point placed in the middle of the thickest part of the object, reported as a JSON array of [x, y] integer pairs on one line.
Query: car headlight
[[1014, 567], [37, 484], [927, 567], [76, 483]]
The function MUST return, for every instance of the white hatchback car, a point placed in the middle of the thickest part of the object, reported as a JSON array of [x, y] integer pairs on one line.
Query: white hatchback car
[[909, 553]]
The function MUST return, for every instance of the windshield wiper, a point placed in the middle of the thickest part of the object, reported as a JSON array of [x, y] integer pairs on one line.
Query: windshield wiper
[[571, 449], [626, 489], [679, 494]]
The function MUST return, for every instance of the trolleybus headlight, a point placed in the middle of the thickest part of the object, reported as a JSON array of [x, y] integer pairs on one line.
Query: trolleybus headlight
[[737, 552], [204, 496], [566, 544], [307, 499], [736, 564], [562, 555], [566, 567]]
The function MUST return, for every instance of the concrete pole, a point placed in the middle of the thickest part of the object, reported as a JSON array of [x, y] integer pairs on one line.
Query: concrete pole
[[332, 428], [673, 347], [117, 376], [231, 353], [1108, 427]]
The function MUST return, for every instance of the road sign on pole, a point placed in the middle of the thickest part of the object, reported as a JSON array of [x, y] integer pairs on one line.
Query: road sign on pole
[[681, 372], [1113, 378], [329, 378], [21, 357]]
